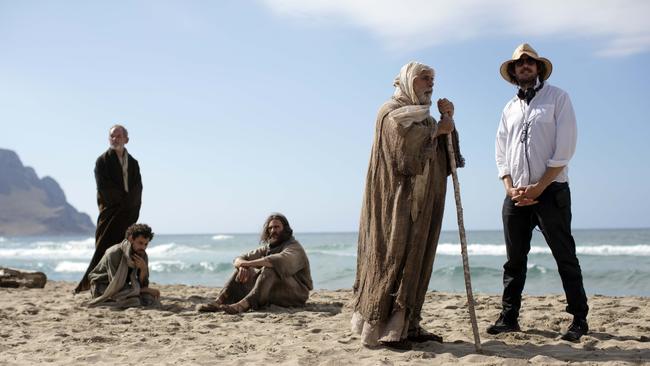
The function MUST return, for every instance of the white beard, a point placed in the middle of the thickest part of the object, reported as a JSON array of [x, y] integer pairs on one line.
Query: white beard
[[424, 99]]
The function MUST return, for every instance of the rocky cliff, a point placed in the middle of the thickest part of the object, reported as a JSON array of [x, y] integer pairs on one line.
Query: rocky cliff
[[33, 206]]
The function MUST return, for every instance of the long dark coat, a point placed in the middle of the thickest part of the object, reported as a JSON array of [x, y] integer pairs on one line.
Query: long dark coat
[[118, 209]]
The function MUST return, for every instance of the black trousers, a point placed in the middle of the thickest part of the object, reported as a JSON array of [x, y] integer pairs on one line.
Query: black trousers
[[553, 216]]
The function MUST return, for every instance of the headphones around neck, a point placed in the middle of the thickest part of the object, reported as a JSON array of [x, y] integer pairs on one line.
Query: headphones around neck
[[529, 93]]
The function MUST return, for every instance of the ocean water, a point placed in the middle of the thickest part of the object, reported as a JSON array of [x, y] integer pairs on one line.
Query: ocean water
[[614, 262]]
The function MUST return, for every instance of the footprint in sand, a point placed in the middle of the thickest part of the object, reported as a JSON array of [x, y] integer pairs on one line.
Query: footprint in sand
[[633, 309], [346, 340], [98, 339], [31, 311]]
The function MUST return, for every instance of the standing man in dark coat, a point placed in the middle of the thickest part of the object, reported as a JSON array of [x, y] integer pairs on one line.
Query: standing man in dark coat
[[119, 196]]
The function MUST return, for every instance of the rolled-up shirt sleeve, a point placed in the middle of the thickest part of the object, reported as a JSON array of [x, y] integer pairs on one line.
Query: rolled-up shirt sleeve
[[566, 135], [501, 148]]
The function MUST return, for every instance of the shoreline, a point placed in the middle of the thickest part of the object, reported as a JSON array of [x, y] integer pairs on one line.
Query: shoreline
[[51, 325]]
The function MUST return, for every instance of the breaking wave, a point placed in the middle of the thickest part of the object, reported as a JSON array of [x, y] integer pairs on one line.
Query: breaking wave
[[222, 237]]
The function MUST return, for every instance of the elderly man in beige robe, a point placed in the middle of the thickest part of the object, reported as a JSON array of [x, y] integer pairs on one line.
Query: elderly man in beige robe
[[402, 212], [276, 273]]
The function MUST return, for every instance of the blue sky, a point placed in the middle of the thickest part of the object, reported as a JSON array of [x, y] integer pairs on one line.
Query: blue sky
[[237, 109]]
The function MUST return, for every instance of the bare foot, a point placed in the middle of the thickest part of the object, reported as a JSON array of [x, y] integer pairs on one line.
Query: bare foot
[[237, 308], [210, 307]]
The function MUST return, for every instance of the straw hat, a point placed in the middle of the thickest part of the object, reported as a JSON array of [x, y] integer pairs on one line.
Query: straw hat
[[526, 49]]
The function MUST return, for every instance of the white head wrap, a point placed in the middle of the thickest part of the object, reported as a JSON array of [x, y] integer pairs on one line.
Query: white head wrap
[[403, 83]]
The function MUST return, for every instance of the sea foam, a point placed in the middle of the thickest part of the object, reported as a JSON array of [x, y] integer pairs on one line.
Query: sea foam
[[222, 237], [642, 250], [73, 249], [67, 266], [169, 250]]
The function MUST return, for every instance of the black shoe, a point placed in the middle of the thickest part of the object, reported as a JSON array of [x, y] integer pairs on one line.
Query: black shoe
[[402, 345], [577, 329], [419, 335], [503, 326], [424, 337]]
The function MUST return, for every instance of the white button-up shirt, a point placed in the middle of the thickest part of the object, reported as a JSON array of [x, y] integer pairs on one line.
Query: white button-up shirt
[[124, 161], [533, 137]]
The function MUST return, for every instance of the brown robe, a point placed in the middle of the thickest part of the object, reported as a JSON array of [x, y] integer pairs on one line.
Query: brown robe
[[401, 217], [118, 209], [287, 283]]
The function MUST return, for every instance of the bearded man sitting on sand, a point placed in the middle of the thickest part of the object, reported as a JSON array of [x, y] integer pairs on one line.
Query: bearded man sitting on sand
[[276, 273], [121, 278]]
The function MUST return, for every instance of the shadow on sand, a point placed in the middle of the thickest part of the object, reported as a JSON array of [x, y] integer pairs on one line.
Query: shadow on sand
[[567, 352], [189, 304]]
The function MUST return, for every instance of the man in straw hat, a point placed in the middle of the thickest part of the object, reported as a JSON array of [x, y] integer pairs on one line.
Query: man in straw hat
[[401, 213], [534, 143]]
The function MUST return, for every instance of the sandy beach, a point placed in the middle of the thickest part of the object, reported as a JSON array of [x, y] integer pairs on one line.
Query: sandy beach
[[51, 326]]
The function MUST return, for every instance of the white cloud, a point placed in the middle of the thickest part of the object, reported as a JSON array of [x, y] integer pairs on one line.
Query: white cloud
[[620, 25]]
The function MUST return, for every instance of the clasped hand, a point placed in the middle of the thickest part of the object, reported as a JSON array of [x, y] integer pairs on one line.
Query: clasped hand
[[525, 196], [244, 274]]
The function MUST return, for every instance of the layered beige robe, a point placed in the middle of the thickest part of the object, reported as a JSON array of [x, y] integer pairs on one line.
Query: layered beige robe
[[115, 280], [287, 283], [400, 223]]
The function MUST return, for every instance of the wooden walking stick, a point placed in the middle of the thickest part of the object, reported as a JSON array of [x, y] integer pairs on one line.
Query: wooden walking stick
[[463, 241]]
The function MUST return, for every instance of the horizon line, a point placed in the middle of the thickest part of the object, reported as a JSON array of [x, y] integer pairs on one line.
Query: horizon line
[[310, 232], [356, 231]]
